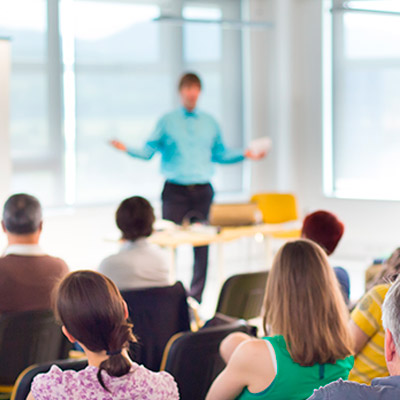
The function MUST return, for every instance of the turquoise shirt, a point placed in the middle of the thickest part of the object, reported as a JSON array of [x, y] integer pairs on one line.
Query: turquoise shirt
[[189, 143], [294, 382]]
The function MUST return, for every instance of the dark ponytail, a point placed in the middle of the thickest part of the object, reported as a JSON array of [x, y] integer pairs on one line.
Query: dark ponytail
[[90, 306], [117, 364]]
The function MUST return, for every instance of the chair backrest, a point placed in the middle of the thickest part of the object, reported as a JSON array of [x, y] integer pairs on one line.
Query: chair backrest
[[276, 208], [193, 358], [242, 295], [157, 314], [27, 338], [23, 384]]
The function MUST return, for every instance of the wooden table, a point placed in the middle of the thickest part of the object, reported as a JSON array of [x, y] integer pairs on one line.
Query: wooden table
[[172, 239]]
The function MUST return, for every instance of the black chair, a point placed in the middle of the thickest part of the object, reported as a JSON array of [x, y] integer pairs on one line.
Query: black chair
[[242, 295], [193, 358], [23, 384], [157, 314], [27, 338]]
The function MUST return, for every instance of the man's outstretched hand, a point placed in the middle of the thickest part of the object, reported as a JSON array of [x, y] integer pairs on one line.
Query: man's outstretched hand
[[255, 156]]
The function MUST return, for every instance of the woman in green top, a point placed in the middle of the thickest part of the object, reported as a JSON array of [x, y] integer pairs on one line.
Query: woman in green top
[[309, 343]]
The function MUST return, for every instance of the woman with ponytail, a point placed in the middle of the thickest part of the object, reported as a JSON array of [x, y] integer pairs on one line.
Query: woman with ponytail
[[93, 313]]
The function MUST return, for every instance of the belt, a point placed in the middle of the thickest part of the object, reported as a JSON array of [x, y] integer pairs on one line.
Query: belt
[[190, 187]]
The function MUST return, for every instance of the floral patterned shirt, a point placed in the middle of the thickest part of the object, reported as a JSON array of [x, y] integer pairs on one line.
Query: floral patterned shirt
[[139, 384]]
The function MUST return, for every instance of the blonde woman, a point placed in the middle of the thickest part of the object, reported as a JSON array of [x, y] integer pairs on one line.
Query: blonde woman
[[309, 343]]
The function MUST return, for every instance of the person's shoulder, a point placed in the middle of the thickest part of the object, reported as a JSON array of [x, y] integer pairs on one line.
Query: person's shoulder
[[249, 352], [9, 259], [4, 261], [381, 289], [170, 115], [341, 389], [50, 382], [207, 116], [56, 373], [374, 297], [56, 262], [109, 263], [154, 249], [252, 345], [162, 383], [60, 384]]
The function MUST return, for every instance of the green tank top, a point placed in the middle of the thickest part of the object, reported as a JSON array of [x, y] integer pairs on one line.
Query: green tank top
[[296, 382]]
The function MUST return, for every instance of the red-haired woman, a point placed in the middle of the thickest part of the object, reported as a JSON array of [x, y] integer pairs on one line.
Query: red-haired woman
[[325, 229]]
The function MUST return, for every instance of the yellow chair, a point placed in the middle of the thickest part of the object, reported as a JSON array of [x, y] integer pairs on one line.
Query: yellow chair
[[277, 208]]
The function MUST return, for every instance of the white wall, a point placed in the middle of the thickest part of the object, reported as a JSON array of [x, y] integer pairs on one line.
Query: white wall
[[5, 171], [293, 118], [372, 227]]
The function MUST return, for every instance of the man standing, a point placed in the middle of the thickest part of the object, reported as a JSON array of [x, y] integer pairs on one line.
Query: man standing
[[27, 274], [189, 141], [381, 388]]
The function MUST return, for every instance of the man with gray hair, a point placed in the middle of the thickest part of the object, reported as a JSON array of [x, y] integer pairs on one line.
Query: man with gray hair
[[27, 274], [381, 388]]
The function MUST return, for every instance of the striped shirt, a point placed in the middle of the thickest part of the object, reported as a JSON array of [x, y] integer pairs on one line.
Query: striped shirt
[[370, 362]]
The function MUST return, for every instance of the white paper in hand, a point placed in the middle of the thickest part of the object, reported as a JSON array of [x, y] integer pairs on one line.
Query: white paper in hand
[[260, 146]]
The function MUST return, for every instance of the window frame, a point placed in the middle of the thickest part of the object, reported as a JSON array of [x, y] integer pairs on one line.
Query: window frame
[[334, 62], [60, 159]]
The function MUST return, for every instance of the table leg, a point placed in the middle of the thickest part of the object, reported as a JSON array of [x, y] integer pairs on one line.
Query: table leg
[[220, 262], [268, 251], [173, 264]]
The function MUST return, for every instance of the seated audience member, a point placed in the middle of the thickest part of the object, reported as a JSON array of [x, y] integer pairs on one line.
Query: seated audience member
[[389, 270], [309, 343], [27, 274], [366, 326], [381, 388], [93, 313], [138, 263], [325, 229]]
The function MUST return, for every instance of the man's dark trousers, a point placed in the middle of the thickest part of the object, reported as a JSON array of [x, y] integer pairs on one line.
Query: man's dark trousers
[[192, 203]]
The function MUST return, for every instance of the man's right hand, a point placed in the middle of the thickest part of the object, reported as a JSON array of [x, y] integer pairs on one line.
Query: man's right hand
[[118, 145]]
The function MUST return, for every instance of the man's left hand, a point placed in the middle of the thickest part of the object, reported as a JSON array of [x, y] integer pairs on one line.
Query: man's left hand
[[255, 156]]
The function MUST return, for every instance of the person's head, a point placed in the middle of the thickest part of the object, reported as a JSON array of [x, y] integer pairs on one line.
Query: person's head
[[189, 90], [323, 228], [304, 304], [390, 270], [93, 313], [22, 216], [391, 324], [135, 218]]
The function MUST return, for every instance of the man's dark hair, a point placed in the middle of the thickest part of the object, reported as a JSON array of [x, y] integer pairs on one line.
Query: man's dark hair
[[22, 214], [135, 218], [189, 79]]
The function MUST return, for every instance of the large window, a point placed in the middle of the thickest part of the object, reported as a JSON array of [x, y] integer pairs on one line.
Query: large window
[[87, 71], [362, 98], [37, 165]]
